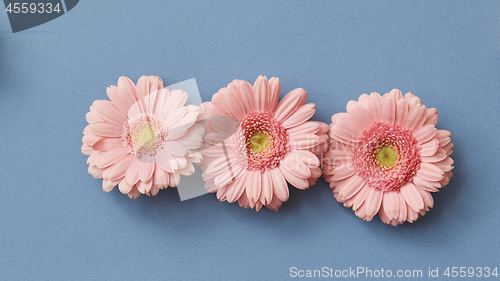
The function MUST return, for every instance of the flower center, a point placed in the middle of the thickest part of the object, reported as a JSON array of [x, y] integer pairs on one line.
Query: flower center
[[144, 135], [260, 142], [386, 156]]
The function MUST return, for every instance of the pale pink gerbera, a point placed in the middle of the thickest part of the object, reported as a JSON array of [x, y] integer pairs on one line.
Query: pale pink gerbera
[[386, 156], [143, 138], [272, 144]]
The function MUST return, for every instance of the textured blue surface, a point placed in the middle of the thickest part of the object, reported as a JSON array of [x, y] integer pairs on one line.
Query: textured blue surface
[[56, 223]]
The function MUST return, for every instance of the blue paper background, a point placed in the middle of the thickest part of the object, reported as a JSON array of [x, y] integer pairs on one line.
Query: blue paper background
[[56, 223]]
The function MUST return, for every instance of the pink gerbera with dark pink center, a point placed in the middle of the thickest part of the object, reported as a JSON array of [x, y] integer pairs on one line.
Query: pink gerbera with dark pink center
[[255, 145], [386, 156], [143, 139]]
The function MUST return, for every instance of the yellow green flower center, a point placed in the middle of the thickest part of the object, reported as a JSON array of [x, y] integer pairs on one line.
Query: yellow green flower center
[[146, 134], [259, 142], [386, 156]]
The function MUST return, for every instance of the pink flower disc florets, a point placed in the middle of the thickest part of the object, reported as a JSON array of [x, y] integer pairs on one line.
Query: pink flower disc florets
[[260, 142], [386, 177]]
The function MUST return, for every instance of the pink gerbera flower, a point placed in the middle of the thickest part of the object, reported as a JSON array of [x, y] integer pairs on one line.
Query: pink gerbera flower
[[386, 156], [143, 138], [272, 144]]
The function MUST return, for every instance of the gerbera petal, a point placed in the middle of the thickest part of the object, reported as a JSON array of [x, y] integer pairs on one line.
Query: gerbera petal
[[174, 179], [306, 128], [132, 175], [374, 106], [443, 137], [266, 194], [118, 100], [134, 193], [412, 196], [395, 94], [301, 115], [106, 129], [431, 186], [415, 118], [275, 204], [228, 176], [337, 116], [431, 117], [95, 172], [93, 117], [235, 105], [219, 100], [143, 88], [391, 204], [412, 215], [144, 187], [295, 166], [438, 156], [118, 169], [446, 178], [108, 185], [364, 100], [402, 208], [220, 165], [361, 212], [161, 100], [124, 187], [236, 189], [445, 165], [427, 197], [388, 110], [175, 116], [124, 83], [289, 103], [253, 186], [246, 93], [298, 182], [350, 127], [145, 171], [280, 187], [107, 144], [110, 157], [383, 215], [373, 201], [274, 87], [350, 187], [243, 201], [425, 133], [337, 134], [175, 148], [429, 148], [343, 173], [160, 178], [413, 101], [109, 112], [401, 112], [176, 99], [430, 172], [311, 142], [360, 197], [358, 113], [448, 148], [307, 157], [261, 94]]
